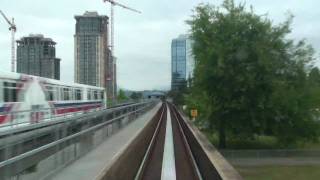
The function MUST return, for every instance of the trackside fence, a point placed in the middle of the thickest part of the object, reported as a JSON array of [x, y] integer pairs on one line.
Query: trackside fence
[[43, 162]]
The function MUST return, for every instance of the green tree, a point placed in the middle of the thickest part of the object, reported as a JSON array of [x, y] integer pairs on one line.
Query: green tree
[[252, 76], [136, 95], [178, 94], [314, 90], [122, 96], [314, 76]]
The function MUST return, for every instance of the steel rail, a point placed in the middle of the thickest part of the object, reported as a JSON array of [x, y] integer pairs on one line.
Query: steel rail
[[186, 144], [151, 145], [168, 170]]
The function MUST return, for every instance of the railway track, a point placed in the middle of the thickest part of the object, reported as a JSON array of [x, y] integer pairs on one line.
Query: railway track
[[168, 155]]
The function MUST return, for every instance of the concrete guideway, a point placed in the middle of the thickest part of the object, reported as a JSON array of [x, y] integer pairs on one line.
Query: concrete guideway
[[90, 165], [169, 147], [168, 156], [168, 162]]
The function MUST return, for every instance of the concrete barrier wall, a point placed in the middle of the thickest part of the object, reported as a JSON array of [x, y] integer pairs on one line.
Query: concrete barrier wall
[[211, 164], [127, 162]]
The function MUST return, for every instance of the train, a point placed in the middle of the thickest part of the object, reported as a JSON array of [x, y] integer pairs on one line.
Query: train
[[31, 99]]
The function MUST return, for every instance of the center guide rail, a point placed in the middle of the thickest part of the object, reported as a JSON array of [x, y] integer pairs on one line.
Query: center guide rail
[[168, 155]]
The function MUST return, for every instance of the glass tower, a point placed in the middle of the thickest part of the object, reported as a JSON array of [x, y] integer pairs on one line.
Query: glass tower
[[182, 62]]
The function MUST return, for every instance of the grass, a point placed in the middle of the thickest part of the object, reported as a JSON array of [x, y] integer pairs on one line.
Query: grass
[[279, 172], [261, 142]]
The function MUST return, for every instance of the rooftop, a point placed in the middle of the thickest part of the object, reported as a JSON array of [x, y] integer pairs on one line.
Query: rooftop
[[36, 36], [91, 14]]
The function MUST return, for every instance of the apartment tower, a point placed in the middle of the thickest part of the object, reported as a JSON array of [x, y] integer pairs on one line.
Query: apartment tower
[[36, 55], [92, 55]]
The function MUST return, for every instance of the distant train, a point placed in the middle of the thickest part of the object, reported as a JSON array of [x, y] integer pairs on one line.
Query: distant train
[[30, 99]]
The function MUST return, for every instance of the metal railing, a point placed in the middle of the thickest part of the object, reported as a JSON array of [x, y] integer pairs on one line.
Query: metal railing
[[50, 115], [58, 154]]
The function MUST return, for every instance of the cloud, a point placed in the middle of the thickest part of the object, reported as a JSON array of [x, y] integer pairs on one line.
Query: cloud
[[142, 40]]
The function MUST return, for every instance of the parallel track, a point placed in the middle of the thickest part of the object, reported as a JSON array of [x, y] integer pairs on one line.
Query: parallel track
[[153, 166]]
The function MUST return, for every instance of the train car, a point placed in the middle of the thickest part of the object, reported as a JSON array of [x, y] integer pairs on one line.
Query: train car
[[31, 99]]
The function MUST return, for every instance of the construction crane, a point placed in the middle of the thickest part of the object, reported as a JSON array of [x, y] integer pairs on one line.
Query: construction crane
[[13, 29], [113, 3]]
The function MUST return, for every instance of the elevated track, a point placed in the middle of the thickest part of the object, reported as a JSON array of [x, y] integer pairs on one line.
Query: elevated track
[[170, 147]]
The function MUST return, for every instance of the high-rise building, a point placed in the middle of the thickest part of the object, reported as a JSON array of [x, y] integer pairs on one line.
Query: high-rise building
[[182, 61], [93, 60], [111, 76], [114, 76], [36, 55]]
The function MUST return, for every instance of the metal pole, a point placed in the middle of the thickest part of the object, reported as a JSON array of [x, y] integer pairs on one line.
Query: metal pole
[[112, 51], [112, 29], [13, 57]]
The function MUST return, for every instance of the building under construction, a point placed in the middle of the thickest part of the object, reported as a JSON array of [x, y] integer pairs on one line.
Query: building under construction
[[93, 60], [36, 55]]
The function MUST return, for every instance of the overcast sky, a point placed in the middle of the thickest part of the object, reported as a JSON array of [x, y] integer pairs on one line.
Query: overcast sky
[[142, 41]]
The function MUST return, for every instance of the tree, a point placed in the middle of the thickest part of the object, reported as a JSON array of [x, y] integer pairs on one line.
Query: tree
[[122, 96], [314, 76], [136, 95], [253, 76], [314, 90], [178, 93]]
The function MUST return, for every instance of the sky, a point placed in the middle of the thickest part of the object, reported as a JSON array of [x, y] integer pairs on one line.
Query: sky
[[142, 41]]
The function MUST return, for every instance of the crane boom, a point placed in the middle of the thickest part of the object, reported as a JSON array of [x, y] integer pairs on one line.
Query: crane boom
[[121, 5], [5, 17], [13, 30], [126, 7], [113, 3]]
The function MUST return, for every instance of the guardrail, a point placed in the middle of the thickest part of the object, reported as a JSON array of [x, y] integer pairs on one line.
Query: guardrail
[[58, 154], [51, 116]]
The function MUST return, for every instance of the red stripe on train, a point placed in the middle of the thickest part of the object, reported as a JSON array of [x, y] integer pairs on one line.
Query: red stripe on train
[[2, 119], [76, 109]]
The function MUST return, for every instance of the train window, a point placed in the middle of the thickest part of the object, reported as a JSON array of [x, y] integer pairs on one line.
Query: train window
[[50, 93], [102, 95], [61, 94], [78, 94], [66, 94], [72, 94], [89, 96], [10, 92], [56, 93], [1, 92], [95, 94]]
